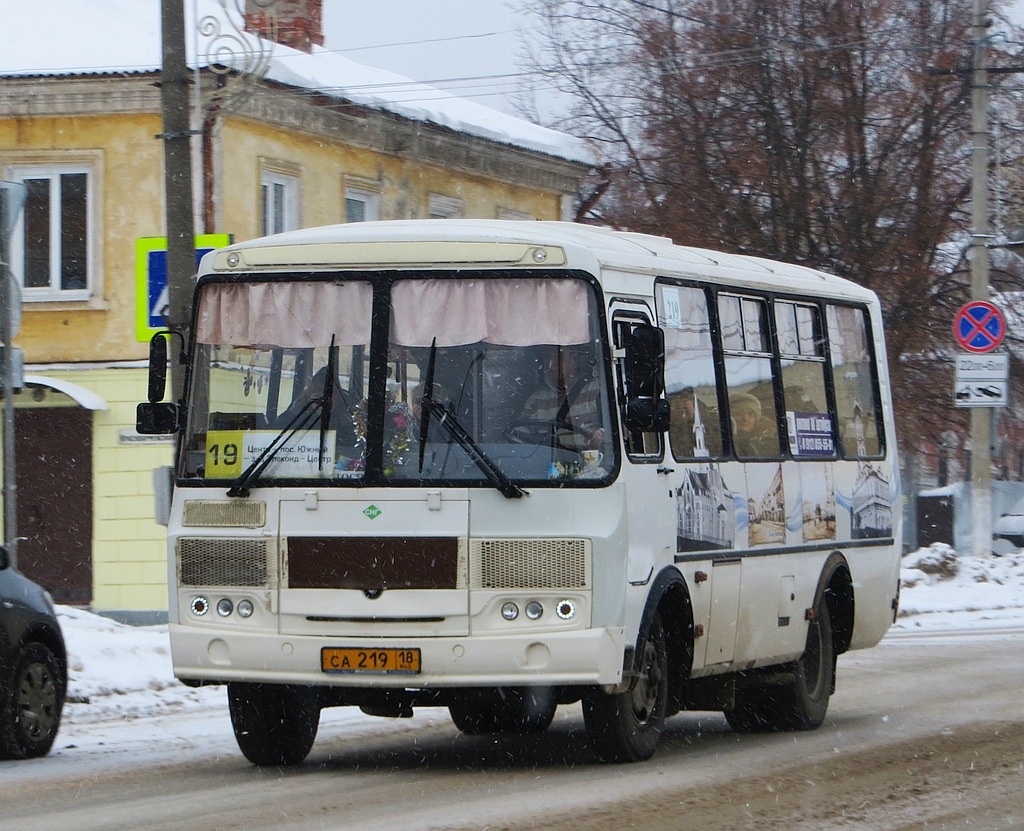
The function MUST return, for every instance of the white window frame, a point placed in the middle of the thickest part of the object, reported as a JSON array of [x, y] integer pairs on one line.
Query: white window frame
[[446, 207], [270, 198], [370, 201], [52, 172]]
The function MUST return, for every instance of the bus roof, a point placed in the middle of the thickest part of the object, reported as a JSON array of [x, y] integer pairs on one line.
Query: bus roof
[[508, 243]]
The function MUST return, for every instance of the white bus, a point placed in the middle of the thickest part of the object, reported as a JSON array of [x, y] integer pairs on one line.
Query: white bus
[[501, 466]]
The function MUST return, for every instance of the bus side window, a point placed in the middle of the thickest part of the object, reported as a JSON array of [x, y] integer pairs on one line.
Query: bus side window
[[801, 344], [856, 388], [695, 431], [748, 374]]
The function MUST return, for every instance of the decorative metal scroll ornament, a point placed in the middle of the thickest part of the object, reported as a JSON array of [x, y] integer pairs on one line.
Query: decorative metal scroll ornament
[[241, 58]]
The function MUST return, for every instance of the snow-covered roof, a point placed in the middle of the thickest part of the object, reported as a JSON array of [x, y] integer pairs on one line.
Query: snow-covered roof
[[89, 37]]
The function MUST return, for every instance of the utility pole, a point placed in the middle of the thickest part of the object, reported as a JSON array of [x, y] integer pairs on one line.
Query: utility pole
[[12, 198], [177, 138], [981, 419]]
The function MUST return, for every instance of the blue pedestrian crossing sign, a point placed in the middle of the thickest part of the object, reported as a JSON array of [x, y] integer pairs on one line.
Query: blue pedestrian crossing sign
[[151, 293], [979, 326]]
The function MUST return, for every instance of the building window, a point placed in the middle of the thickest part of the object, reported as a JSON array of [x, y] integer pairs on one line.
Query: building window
[[361, 205], [280, 202], [510, 214], [52, 243], [446, 207]]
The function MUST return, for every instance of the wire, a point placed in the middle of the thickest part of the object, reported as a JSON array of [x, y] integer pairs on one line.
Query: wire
[[423, 42]]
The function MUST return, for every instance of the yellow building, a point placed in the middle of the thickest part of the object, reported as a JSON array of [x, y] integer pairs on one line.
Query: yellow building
[[284, 137]]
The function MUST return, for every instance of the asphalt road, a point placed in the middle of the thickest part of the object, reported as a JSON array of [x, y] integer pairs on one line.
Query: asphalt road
[[925, 731]]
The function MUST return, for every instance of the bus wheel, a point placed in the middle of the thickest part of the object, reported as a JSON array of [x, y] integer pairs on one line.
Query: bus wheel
[[625, 727], [274, 724], [509, 710], [801, 702]]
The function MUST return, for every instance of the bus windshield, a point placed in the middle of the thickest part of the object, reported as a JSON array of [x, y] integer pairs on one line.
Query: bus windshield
[[322, 378]]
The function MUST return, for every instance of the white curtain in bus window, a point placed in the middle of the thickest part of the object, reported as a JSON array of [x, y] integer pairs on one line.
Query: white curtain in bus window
[[695, 428], [506, 312], [289, 314], [748, 374], [852, 373], [802, 357]]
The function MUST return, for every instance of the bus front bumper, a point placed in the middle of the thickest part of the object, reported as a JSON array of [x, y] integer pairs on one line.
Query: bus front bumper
[[580, 657]]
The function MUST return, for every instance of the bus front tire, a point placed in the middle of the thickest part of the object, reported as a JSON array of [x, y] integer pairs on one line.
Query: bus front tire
[[626, 727], [274, 724], [802, 701], [511, 710]]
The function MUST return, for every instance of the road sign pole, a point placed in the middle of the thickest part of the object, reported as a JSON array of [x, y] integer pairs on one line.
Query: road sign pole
[[981, 427]]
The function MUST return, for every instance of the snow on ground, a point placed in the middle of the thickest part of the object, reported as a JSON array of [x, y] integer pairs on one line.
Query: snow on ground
[[122, 674], [941, 590]]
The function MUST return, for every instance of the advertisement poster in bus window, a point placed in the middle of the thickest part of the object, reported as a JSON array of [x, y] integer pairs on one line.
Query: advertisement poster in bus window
[[818, 498], [871, 503], [864, 500], [705, 510], [766, 505]]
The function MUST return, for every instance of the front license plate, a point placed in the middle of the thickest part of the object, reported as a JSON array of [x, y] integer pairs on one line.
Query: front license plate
[[358, 660]]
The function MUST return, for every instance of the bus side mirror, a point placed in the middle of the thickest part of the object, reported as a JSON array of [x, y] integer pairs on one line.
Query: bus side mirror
[[646, 410], [157, 417], [157, 367], [647, 415]]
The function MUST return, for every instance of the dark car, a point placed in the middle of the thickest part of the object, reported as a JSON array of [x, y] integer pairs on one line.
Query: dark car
[[33, 666]]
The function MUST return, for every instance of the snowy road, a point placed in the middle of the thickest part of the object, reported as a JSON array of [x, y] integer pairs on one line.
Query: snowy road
[[928, 724]]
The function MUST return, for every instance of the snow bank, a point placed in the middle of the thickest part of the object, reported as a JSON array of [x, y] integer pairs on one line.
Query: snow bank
[[935, 580]]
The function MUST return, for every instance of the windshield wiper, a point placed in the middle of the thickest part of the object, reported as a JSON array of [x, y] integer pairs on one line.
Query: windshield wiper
[[328, 402], [447, 419], [302, 420], [427, 400]]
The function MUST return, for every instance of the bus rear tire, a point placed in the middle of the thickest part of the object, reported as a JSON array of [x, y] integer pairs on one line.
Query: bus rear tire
[[510, 710], [274, 724], [801, 702], [626, 727]]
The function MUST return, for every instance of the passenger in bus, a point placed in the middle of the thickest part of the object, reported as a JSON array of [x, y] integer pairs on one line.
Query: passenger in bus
[[439, 396], [568, 398], [341, 420], [753, 434], [798, 401]]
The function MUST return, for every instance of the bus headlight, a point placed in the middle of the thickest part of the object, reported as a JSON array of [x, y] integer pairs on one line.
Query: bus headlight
[[510, 611], [244, 608], [534, 610], [565, 609], [200, 606], [225, 607]]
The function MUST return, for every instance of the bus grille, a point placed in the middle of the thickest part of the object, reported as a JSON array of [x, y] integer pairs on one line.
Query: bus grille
[[224, 513], [374, 563], [224, 562], [530, 564]]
